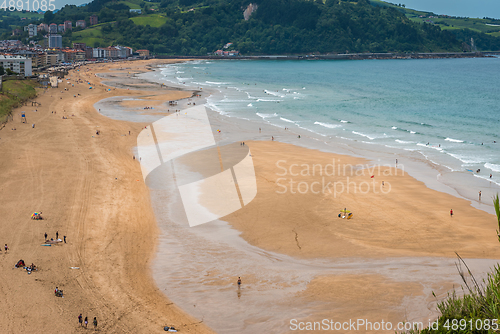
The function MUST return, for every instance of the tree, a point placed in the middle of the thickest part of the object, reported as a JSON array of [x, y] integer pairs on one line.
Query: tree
[[2, 71], [48, 17]]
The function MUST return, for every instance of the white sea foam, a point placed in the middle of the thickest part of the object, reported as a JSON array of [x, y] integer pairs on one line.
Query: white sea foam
[[328, 125], [342, 121], [250, 96], [217, 83], [267, 100], [394, 128], [412, 132], [250, 105], [287, 120], [466, 159], [307, 129], [273, 93], [363, 135], [437, 148], [454, 140], [214, 107], [486, 178], [264, 116], [493, 167], [404, 142]]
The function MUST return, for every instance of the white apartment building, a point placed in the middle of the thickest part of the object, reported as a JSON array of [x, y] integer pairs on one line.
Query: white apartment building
[[17, 64]]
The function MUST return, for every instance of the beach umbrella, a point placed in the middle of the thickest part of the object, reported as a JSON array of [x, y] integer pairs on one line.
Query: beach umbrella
[[345, 211]]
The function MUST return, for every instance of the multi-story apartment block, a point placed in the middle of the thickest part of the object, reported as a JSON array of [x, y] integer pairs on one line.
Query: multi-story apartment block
[[55, 41], [16, 64]]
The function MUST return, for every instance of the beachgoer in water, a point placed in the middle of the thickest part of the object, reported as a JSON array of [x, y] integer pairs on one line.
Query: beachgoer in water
[[479, 194], [490, 176], [272, 138]]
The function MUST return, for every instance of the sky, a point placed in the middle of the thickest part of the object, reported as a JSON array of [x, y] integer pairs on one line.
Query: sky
[[469, 8]]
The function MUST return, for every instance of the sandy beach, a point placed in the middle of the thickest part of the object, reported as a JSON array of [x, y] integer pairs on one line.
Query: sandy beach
[[138, 271], [89, 189]]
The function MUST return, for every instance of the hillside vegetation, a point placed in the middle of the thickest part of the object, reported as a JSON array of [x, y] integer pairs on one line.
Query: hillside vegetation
[[13, 94], [198, 27]]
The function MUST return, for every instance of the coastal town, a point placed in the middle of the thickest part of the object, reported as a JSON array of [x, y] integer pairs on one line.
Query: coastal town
[[23, 59]]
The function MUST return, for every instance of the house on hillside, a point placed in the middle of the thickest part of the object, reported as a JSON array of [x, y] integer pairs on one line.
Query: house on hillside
[[53, 28], [93, 20], [81, 24]]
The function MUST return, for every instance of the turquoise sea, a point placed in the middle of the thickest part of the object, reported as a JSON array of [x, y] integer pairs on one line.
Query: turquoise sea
[[445, 110]]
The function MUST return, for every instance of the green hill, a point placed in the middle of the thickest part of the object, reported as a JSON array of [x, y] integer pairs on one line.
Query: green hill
[[198, 27]]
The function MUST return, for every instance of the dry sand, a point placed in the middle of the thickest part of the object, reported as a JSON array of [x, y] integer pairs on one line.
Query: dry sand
[[89, 189]]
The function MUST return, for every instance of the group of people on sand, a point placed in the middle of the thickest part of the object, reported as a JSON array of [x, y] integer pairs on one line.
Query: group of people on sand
[[84, 322], [148, 108]]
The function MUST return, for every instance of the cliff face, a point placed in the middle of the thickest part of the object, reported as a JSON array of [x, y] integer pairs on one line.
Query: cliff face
[[250, 9]]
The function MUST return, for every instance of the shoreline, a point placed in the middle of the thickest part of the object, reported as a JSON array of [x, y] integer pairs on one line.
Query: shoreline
[[350, 56], [435, 175]]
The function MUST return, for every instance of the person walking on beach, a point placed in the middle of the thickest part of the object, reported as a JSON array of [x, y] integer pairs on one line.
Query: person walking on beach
[[86, 321], [239, 282], [6, 248], [95, 323], [64, 239], [451, 213], [45, 235], [57, 235], [80, 319], [479, 194]]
